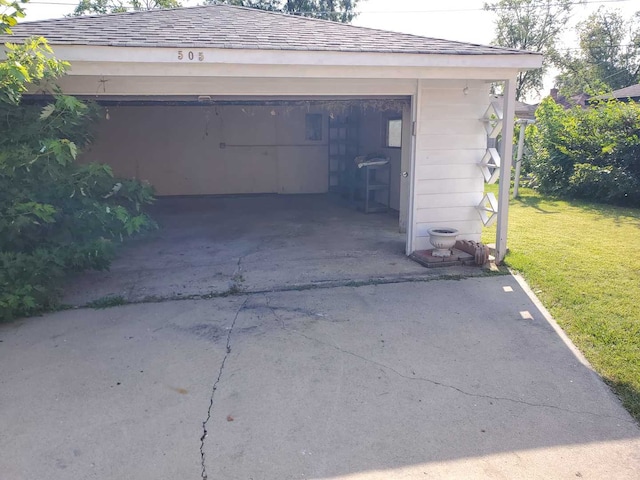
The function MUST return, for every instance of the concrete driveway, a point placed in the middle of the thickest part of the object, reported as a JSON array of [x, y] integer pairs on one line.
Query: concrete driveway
[[212, 245], [430, 379]]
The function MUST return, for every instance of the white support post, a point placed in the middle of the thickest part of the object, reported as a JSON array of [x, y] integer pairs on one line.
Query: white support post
[[516, 178], [415, 118], [505, 170]]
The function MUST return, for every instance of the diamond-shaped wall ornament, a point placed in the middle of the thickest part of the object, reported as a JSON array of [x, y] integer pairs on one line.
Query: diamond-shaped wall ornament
[[492, 119], [490, 165], [488, 209]]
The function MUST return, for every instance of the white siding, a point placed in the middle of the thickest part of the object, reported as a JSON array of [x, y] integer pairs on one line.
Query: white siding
[[450, 141], [448, 171], [446, 200], [471, 227]]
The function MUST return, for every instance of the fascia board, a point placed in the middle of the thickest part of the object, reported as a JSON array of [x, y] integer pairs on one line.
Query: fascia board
[[126, 69], [71, 53]]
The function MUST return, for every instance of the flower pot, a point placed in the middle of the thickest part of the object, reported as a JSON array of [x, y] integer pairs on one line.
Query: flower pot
[[443, 239]]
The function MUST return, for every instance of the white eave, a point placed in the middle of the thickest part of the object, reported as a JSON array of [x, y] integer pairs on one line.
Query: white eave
[[105, 60]]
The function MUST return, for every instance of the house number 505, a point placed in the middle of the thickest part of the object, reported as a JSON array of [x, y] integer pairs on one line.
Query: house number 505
[[190, 55]]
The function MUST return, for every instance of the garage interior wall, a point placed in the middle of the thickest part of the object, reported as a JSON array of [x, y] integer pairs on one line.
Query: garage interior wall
[[204, 150], [228, 149]]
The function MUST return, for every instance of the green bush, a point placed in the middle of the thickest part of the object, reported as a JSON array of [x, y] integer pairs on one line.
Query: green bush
[[609, 184], [591, 153], [56, 215]]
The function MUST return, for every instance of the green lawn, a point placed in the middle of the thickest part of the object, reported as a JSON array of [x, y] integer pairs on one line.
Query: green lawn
[[583, 262]]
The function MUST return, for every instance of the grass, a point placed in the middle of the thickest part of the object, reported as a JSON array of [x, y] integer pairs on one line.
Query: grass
[[583, 262]]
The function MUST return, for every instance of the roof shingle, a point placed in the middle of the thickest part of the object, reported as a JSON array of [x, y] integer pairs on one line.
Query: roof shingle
[[631, 91], [224, 26]]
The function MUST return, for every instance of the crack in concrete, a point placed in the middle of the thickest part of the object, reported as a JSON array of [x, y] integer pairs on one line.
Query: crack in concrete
[[457, 389], [203, 472], [319, 285], [236, 280], [238, 266], [275, 312]]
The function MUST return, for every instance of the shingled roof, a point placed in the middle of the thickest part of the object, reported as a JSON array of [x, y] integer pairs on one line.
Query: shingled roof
[[632, 91], [224, 26]]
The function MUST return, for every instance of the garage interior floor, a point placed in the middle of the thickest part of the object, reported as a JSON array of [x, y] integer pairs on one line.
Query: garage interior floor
[[212, 245]]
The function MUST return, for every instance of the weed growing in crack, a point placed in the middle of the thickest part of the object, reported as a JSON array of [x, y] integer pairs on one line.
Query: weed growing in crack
[[238, 278], [107, 302]]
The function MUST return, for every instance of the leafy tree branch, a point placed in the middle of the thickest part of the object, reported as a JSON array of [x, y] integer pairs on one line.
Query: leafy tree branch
[[608, 58], [532, 25], [337, 10], [100, 7]]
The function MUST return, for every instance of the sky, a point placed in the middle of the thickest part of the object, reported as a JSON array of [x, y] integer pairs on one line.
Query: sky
[[462, 20]]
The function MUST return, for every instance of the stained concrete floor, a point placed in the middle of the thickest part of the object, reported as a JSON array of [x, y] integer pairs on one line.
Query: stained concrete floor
[[438, 379], [210, 245]]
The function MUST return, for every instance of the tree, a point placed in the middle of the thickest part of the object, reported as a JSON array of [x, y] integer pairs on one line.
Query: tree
[[609, 55], [337, 10], [268, 5], [28, 63], [100, 7], [532, 25]]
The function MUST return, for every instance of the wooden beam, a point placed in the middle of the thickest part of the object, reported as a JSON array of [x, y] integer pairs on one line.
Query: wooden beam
[[516, 179], [506, 153], [412, 229]]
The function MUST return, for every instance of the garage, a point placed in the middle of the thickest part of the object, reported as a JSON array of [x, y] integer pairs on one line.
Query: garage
[[287, 147], [237, 101]]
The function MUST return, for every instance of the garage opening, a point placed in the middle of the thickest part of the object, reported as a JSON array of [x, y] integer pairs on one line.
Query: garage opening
[[346, 155]]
